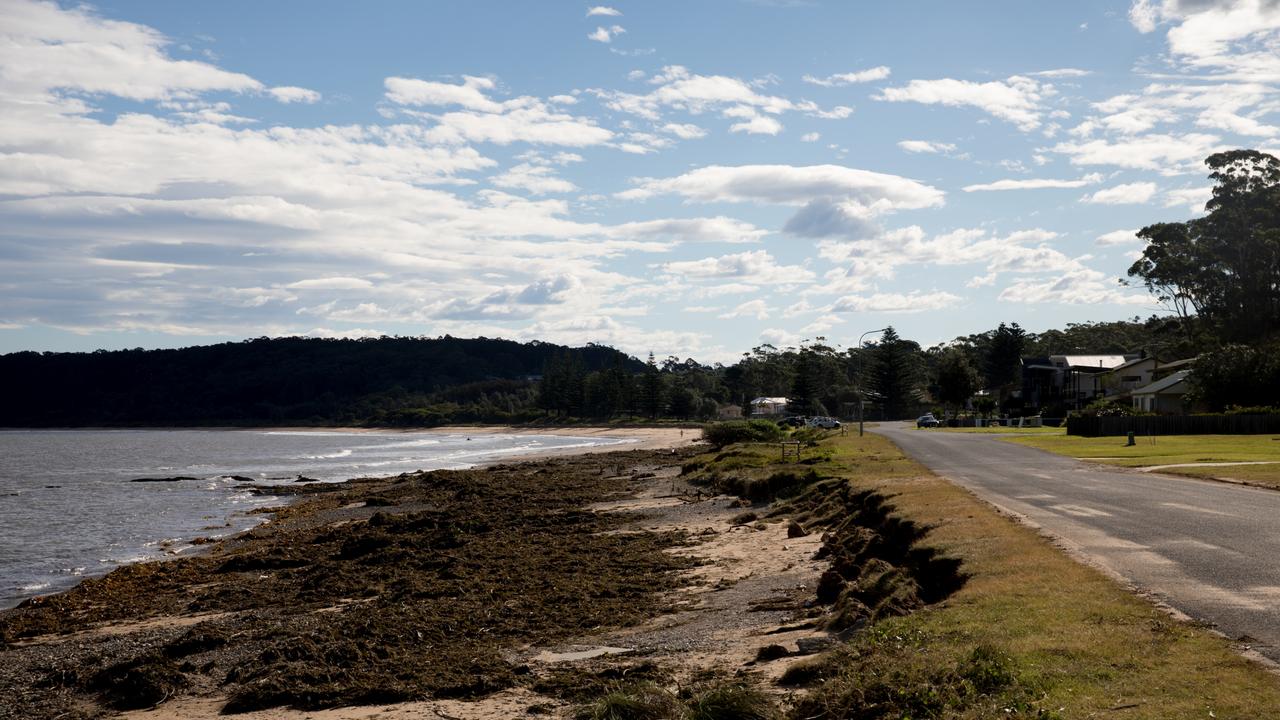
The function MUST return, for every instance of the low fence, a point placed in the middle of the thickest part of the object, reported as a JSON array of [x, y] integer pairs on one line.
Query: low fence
[[1175, 425]]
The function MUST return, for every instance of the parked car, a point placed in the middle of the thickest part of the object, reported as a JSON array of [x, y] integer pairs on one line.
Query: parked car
[[927, 421], [795, 421], [827, 423]]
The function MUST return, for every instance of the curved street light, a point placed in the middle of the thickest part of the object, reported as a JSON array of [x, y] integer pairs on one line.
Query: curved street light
[[862, 402]]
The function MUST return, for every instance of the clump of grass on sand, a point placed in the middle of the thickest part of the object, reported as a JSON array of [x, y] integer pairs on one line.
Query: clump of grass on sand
[[716, 701]]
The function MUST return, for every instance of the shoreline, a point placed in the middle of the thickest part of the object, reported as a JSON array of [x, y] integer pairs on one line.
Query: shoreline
[[198, 543], [429, 550]]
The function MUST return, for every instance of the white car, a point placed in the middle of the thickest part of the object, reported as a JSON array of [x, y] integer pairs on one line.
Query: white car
[[828, 423]]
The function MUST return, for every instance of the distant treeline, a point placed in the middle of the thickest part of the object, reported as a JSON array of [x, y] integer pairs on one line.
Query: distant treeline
[[420, 382], [307, 381]]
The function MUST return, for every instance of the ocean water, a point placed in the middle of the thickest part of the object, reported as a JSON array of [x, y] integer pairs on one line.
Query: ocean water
[[68, 509]]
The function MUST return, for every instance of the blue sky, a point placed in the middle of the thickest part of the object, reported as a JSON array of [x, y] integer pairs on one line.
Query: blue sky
[[688, 178]]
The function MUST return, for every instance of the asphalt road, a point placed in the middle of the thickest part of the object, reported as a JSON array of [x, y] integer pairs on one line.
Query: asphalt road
[[1209, 549]]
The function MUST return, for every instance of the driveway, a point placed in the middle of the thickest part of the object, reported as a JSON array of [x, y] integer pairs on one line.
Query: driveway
[[1208, 549]]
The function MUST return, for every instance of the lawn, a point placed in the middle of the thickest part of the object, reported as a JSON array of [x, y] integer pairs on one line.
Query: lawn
[[1175, 449], [1006, 430]]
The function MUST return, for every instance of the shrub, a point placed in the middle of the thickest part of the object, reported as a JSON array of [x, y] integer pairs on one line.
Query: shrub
[[735, 431], [1110, 408], [1252, 410]]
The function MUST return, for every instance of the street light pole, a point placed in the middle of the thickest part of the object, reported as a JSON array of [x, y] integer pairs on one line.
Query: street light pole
[[862, 402]]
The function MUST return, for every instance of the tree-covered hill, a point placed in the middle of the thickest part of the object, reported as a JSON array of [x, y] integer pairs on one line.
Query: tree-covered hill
[[283, 381]]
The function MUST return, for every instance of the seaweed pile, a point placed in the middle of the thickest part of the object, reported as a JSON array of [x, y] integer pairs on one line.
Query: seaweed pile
[[373, 591]]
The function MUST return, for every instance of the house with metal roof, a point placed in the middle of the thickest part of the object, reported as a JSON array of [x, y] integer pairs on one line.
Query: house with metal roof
[[769, 406], [1163, 396], [1072, 381], [1121, 381]]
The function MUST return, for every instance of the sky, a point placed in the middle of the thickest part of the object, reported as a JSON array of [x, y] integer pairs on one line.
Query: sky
[[684, 178]]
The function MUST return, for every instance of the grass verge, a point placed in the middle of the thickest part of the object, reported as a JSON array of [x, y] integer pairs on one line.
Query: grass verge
[[1005, 430], [1032, 633], [1174, 450]]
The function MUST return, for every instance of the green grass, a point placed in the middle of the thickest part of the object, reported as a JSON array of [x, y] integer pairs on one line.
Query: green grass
[[1007, 430], [1175, 449], [1032, 633]]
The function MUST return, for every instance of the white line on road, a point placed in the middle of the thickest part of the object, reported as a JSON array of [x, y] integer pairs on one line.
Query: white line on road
[[1080, 511]]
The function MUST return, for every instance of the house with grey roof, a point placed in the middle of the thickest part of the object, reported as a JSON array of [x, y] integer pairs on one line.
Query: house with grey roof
[[1164, 396]]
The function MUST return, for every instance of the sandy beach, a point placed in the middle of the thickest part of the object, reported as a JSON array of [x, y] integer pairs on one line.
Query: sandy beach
[[641, 438]]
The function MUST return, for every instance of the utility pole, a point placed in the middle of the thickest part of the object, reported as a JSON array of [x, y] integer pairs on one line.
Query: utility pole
[[862, 398]]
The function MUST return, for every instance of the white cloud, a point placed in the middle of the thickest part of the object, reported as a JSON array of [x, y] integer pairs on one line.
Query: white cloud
[[470, 94], [331, 283], [1167, 154], [291, 94], [926, 146], [1118, 237], [677, 88], [537, 179], [482, 119], [1016, 99], [811, 137], [913, 302], [756, 267], [841, 79], [758, 125], [603, 10], [868, 192], [1126, 194], [712, 229], [1228, 107], [880, 256], [1034, 184], [1063, 73], [1193, 199], [1079, 287], [606, 35], [1234, 38], [1144, 14], [757, 309], [46, 48], [685, 131]]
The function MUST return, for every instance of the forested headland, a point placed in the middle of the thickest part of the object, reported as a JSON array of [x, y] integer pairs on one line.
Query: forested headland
[[283, 381]]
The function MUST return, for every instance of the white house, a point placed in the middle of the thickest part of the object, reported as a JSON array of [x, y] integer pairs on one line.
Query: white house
[[1124, 379], [1163, 396], [769, 406]]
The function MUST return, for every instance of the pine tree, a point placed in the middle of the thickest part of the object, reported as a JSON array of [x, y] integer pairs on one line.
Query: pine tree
[[896, 374], [651, 400], [1004, 355]]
